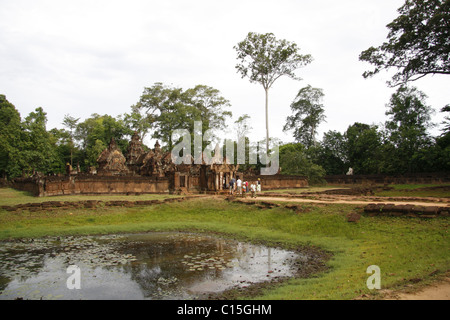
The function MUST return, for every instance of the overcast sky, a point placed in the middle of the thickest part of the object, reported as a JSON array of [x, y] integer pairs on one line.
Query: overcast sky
[[84, 57]]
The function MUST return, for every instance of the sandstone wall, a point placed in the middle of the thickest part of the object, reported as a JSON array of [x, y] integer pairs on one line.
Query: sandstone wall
[[278, 181], [26, 184], [95, 184], [54, 186]]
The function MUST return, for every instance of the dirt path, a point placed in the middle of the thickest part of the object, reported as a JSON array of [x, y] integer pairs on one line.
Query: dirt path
[[344, 200], [437, 291]]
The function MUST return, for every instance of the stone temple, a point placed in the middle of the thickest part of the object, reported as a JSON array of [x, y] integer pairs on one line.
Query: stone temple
[[153, 171], [158, 165]]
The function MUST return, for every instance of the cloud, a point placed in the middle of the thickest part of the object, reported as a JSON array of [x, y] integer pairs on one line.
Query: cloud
[[81, 57]]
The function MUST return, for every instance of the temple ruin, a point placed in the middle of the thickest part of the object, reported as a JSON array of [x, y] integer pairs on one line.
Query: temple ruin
[[153, 171]]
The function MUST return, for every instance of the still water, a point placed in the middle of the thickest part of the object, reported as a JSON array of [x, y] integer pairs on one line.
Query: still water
[[137, 266]]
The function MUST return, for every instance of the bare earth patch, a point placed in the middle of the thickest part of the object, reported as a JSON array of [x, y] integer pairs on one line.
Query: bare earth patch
[[438, 291]]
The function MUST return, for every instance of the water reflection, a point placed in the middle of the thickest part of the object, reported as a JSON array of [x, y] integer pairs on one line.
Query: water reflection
[[137, 266]]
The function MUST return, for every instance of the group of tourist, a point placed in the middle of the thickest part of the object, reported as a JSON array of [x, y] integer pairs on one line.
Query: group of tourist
[[243, 187]]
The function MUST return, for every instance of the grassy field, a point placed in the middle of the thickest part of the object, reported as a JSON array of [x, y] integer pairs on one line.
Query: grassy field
[[407, 250]]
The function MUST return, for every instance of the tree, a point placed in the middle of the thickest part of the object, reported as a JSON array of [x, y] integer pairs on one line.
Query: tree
[[363, 143], [242, 127], [71, 124], [446, 123], [169, 108], [40, 152], [442, 145], [209, 106], [166, 108], [64, 149], [264, 59], [138, 121], [308, 113], [418, 42], [11, 144], [294, 161], [96, 132], [410, 118], [242, 144], [332, 153]]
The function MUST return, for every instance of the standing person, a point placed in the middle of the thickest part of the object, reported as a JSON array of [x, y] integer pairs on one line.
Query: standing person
[[232, 182], [246, 186], [258, 185], [253, 190], [239, 185]]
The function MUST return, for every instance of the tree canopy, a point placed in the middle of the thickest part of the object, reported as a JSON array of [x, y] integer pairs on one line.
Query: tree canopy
[[169, 108], [418, 43], [308, 113], [11, 135], [264, 59]]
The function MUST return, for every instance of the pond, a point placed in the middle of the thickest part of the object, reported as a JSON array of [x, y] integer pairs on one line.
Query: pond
[[157, 266]]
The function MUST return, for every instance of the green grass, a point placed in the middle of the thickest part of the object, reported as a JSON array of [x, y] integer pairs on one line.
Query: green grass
[[404, 248]]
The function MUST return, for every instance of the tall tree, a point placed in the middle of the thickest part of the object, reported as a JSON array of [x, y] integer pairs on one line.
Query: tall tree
[[418, 42], [11, 140], [264, 59], [308, 113], [409, 120]]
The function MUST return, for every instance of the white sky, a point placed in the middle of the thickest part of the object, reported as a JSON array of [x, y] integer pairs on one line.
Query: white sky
[[84, 57]]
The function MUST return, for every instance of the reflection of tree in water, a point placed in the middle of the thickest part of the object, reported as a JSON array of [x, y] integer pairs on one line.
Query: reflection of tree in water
[[22, 260], [161, 272], [161, 266], [246, 254]]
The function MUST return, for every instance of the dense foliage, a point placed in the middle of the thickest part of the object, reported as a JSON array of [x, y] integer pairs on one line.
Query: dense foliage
[[28, 147], [417, 45], [401, 145]]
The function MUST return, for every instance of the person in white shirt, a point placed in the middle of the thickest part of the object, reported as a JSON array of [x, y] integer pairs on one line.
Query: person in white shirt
[[253, 190], [239, 185]]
